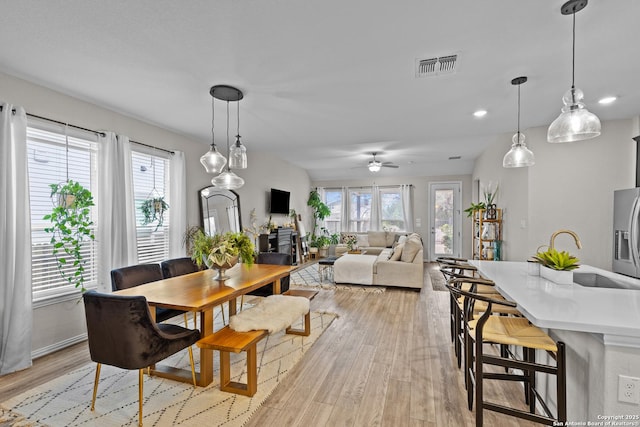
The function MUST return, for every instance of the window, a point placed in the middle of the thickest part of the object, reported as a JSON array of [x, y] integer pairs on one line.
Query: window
[[47, 164], [333, 199], [391, 210], [150, 180], [359, 210]]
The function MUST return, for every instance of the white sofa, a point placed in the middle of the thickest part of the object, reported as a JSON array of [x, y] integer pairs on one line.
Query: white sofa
[[386, 267]]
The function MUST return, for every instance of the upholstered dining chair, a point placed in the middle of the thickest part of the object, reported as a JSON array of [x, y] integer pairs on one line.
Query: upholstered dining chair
[[180, 267], [135, 275], [122, 333]]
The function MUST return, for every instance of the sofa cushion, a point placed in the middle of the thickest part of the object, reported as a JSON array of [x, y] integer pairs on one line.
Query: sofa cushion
[[410, 249], [390, 238], [377, 238], [362, 240], [397, 252]]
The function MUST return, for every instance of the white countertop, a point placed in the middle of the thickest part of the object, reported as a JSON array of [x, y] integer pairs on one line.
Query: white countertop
[[614, 312]]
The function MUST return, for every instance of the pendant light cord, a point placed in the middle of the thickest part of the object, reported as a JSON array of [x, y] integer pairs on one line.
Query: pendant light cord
[[518, 114], [228, 150], [213, 104], [573, 51], [238, 134]]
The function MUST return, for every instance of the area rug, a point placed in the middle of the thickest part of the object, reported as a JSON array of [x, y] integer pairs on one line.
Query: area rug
[[437, 279], [309, 278], [66, 400]]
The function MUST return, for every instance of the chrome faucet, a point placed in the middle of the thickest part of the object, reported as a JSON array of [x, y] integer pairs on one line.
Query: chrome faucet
[[571, 233]]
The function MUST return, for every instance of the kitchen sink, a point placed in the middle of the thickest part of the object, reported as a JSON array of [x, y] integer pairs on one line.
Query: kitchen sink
[[595, 280]]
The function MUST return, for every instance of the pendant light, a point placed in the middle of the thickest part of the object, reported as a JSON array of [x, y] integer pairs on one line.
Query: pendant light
[[238, 153], [519, 155], [227, 179], [212, 160], [575, 123]]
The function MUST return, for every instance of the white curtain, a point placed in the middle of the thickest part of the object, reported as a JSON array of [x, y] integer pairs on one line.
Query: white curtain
[[407, 206], [116, 210], [344, 210], [375, 220], [177, 204], [16, 314]]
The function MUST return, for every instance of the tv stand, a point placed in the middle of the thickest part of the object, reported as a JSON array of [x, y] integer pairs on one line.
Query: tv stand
[[282, 240]]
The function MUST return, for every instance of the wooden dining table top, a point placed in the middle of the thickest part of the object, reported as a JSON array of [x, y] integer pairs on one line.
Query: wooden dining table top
[[199, 291]]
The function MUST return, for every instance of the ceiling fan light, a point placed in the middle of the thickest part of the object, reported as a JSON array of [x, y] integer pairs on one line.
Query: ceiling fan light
[[212, 160], [375, 166], [228, 180], [519, 155]]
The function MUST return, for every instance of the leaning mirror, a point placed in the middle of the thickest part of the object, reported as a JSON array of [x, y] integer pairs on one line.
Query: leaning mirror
[[219, 210]]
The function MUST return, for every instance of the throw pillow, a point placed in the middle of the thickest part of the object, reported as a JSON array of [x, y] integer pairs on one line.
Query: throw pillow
[[397, 252], [411, 248]]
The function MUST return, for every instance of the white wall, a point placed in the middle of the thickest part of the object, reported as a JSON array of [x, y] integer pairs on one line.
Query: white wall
[[570, 187], [420, 201], [57, 325]]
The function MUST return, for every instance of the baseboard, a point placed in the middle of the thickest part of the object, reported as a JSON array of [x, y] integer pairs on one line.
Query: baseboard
[[58, 346]]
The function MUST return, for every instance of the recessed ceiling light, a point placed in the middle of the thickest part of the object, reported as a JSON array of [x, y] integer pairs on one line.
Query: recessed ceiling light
[[607, 100], [480, 113]]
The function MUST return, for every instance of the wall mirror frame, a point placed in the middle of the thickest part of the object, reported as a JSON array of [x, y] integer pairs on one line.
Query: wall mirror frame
[[219, 210]]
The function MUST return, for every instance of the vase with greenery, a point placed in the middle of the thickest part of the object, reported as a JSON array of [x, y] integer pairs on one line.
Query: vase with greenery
[[221, 251], [71, 229], [153, 209], [319, 209]]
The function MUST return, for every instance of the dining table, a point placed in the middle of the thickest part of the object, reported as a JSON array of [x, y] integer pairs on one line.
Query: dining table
[[199, 292]]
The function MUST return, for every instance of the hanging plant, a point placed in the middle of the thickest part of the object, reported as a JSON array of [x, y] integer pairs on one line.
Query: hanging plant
[[70, 229], [153, 210]]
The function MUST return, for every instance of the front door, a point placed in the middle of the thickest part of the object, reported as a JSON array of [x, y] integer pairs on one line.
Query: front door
[[446, 222]]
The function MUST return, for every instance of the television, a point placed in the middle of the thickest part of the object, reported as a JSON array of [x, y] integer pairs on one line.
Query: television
[[279, 202]]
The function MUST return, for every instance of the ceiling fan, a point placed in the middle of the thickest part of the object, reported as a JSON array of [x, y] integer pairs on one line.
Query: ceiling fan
[[375, 165]]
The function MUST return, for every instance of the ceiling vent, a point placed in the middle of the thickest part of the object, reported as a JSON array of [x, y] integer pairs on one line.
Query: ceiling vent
[[436, 65]]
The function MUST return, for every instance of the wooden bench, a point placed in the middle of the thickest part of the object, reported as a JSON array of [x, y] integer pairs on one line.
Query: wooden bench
[[226, 340], [309, 294]]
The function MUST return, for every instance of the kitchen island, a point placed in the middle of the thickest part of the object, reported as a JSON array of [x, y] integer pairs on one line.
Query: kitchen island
[[600, 326]]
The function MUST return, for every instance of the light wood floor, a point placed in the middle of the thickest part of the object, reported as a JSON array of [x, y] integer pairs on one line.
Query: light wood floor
[[387, 360]]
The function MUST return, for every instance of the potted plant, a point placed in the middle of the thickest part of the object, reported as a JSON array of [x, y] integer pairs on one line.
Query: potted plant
[[153, 209], [322, 243], [70, 229], [557, 266], [319, 209], [221, 251], [471, 210]]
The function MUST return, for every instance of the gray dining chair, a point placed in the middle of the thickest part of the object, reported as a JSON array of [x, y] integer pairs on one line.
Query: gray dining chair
[[122, 333]]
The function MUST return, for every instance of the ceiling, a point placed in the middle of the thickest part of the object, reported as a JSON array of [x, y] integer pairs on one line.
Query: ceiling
[[327, 82]]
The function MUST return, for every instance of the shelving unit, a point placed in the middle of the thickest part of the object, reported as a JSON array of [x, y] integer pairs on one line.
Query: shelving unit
[[487, 236]]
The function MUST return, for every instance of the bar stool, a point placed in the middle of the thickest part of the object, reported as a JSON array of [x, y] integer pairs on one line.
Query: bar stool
[[508, 331]]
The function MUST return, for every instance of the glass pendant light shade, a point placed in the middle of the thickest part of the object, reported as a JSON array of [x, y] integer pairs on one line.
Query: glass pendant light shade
[[375, 166], [213, 161], [238, 155], [575, 123], [519, 155], [228, 180]]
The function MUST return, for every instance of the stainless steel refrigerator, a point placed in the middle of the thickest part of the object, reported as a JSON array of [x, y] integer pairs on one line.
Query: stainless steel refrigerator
[[626, 232]]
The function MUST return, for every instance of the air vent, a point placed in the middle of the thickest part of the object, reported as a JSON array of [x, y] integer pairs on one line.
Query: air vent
[[436, 65], [455, 157]]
